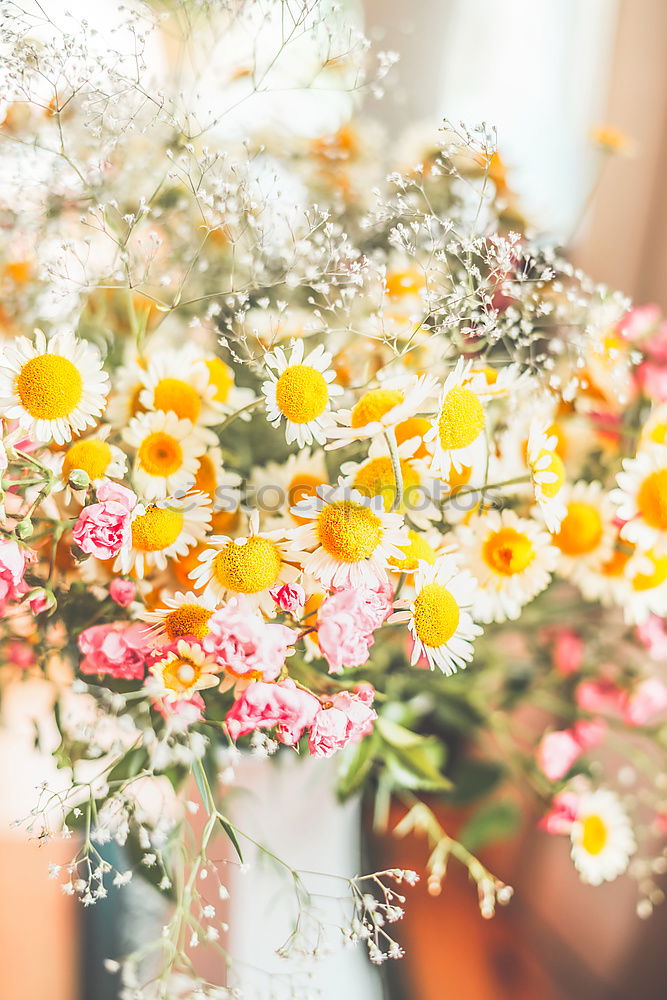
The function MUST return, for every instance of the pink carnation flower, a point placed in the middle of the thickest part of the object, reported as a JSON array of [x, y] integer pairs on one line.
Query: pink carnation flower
[[558, 751], [568, 651], [346, 622], [563, 813], [12, 570], [601, 696], [647, 702], [244, 644], [348, 720], [289, 597], [120, 649], [103, 528], [263, 706], [122, 591], [653, 636], [182, 712], [651, 378], [639, 322]]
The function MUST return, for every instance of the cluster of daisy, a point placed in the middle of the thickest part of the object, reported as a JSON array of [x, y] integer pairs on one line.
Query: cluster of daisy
[[306, 425]]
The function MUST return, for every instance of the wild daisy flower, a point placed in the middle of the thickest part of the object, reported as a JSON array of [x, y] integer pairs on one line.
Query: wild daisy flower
[[641, 497], [183, 672], [512, 559], [52, 388], [375, 477], [602, 838], [221, 485], [457, 436], [299, 391], [278, 486], [647, 587], [184, 614], [181, 381], [248, 565], [167, 453], [585, 537], [347, 539], [547, 474], [439, 617], [420, 548], [162, 531], [377, 410]]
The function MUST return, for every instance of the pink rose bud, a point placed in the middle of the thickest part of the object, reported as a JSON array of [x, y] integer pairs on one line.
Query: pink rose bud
[[289, 597], [122, 591], [102, 529]]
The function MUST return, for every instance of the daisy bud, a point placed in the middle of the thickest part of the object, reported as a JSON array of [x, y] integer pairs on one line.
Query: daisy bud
[[78, 479]]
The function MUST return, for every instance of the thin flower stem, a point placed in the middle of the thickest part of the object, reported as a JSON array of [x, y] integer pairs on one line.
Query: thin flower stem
[[390, 436]]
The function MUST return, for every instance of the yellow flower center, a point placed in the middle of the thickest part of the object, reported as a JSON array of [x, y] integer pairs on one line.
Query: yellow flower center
[[376, 478], [656, 576], [92, 456], [417, 549], [615, 565], [658, 433], [134, 405], [594, 834], [160, 454], [414, 427], [189, 619], [408, 282], [461, 419], [302, 393], [220, 375], [652, 499], [459, 479], [373, 405], [508, 551], [348, 531], [49, 387], [175, 396], [580, 530], [181, 674], [556, 467], [248, 568], [436, 615], [206, 479], [157, 529]]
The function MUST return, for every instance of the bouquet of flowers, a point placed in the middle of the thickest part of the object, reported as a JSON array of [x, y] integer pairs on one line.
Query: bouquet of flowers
[[309, 443]]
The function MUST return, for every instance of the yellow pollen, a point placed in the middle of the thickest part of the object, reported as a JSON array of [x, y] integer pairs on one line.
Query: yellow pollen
[[658, 433], [376, 478], [373, 405], [408, 282], [417, 549], [349, 531], [436, 615], [414, 427], [581, 529], [302, 393], [179, 675], [461, 419], [248, 568], [594, 834], [157, 529], [508, 551], [206, 479], [652, 499], [220, 375], [49, 387], [189, 619], [160, 454], [92, 456], [657, 575], [616, 564], [556, 467], [175, 396]]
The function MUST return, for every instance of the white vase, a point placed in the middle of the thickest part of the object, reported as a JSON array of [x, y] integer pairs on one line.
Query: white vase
[[290, 807]]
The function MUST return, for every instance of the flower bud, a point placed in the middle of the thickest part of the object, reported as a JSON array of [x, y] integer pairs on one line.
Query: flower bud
[[40, 599], [24, 529], [78, 479]]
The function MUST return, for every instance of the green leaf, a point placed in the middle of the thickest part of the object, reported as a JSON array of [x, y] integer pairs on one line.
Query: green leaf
[[356, 765], [231, 833], [472, 779], [417, 767], [491, 822], [395, 735]]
